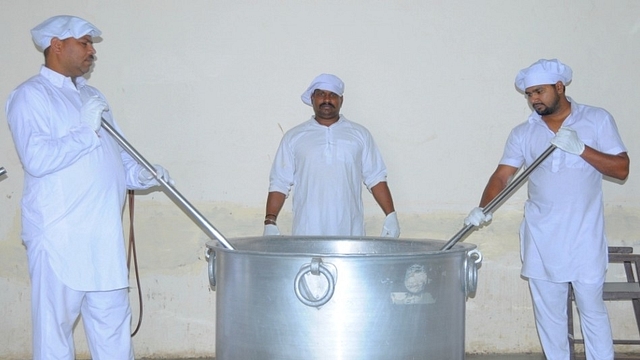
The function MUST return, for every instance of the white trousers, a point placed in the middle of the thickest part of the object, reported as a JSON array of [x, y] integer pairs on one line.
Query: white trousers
[[55, 308], [550, 309]]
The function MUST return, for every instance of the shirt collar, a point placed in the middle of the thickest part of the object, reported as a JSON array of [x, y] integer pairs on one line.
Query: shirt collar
[[60, 80], [535, 118]]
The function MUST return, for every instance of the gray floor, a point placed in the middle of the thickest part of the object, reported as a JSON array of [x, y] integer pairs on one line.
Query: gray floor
[[468, 357], [492, 357]]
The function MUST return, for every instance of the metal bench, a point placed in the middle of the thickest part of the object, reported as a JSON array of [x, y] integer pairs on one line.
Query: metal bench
[[614, 291]]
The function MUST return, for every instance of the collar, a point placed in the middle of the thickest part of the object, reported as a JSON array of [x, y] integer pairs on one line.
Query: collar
[[60, 80], [535, 118]]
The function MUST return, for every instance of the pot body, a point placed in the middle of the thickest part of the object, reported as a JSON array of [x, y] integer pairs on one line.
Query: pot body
[[340, 298]]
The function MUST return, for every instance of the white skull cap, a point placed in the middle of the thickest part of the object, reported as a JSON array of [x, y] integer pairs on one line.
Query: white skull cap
[[62, 27], [326, 82], [543, 72]]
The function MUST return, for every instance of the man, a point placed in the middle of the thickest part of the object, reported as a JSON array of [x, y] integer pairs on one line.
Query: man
[[562, 235], [76, 177], [326, 159]]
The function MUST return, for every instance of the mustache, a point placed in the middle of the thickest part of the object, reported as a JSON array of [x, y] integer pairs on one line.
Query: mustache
[[328, 104]]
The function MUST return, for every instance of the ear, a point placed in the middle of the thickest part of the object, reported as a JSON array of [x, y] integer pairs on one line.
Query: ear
[[559, 87], [56, 45]]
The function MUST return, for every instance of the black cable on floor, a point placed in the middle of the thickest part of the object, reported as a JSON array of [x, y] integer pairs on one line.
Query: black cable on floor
[[132, 255]]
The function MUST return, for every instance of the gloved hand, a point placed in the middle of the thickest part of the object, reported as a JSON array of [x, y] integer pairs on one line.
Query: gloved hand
[[567, 139], [477, 217], [391, 227], [91, 111], [270, 230], [146, 178]]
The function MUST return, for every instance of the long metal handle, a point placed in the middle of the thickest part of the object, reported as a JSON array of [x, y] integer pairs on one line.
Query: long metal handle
[[501, 196], [2, 171], [211, 231]]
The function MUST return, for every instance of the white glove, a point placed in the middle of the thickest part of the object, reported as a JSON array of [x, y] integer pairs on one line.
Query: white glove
[[270, 230], [391, 227], [146, 178], [477, 217], [91, 111], [567, 139]]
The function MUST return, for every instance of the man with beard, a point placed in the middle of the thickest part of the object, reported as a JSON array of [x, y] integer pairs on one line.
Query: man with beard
[[75, 182], [327, 159], [562, 236]]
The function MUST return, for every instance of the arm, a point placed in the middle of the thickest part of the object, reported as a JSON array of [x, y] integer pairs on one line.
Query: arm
[[615, 166], [497, 182], [275, 201], [382, 195]]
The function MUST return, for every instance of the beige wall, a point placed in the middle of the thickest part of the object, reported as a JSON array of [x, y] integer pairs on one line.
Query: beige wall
[[207, 88]]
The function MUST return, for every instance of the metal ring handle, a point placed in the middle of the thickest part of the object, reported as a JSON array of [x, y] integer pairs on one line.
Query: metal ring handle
[[315, 267], [474, 258], [210, 255]]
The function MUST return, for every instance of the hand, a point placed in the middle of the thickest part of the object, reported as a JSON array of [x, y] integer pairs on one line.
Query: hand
[[391, 227], [146, 177], [567, 139], [477, 217], [270, 230], [91, 111]]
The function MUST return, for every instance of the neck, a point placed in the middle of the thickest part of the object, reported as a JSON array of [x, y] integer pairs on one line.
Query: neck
[[327, 122], [554, 121]]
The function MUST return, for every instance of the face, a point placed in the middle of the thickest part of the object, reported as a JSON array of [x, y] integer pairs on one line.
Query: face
[[544, 99], [75, 56], [326, 104]]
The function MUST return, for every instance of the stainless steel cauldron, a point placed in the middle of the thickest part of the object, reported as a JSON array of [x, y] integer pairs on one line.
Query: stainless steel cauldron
[[335, 298]]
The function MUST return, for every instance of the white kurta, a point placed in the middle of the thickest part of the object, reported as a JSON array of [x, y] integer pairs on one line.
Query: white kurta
[[327, 166], [74, 183], [562, 235]]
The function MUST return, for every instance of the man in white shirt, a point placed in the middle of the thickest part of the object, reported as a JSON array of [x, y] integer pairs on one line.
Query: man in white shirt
[[562, 235], [76, 177], [326, 160]]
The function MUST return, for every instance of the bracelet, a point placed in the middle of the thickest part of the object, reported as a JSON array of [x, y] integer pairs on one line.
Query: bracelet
[[269, 222], [273, 215]]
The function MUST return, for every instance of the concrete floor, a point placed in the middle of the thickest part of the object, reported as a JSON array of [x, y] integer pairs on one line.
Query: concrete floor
[[493, 357], [469, 357]]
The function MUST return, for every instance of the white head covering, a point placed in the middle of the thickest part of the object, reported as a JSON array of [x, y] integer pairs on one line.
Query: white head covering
[[62, 27], [543, 72], [326, 82]]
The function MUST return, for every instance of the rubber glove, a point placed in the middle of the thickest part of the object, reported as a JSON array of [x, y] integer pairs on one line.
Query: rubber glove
[[91, 111], [477, 217], [146, 178], [567, 139], [270, 230], [391, 227]]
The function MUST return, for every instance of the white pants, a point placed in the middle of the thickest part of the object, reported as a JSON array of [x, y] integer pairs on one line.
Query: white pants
[[550, 309], [55, 308]]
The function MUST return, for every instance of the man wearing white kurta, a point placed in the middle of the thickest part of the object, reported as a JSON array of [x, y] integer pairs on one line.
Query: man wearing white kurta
[[75, 182], [326, 160], [562, 235]]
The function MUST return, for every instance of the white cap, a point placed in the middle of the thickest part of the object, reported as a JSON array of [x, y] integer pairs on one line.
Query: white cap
[[62, 27], [543, 72], [326, 82]]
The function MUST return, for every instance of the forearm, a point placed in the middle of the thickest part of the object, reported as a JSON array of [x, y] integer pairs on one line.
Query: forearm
[[497, 182], [275, 201], [382, 195], [615, 166]]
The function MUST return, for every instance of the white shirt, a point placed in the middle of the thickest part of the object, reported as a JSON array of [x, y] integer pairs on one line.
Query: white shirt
[[75, 182], [327, 166], [562, 235]]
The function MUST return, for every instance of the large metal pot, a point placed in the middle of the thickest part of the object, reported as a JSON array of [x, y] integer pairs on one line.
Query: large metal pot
[[341, 298]]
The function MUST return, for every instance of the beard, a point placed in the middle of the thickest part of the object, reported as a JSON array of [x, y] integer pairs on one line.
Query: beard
[[543, 109]]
